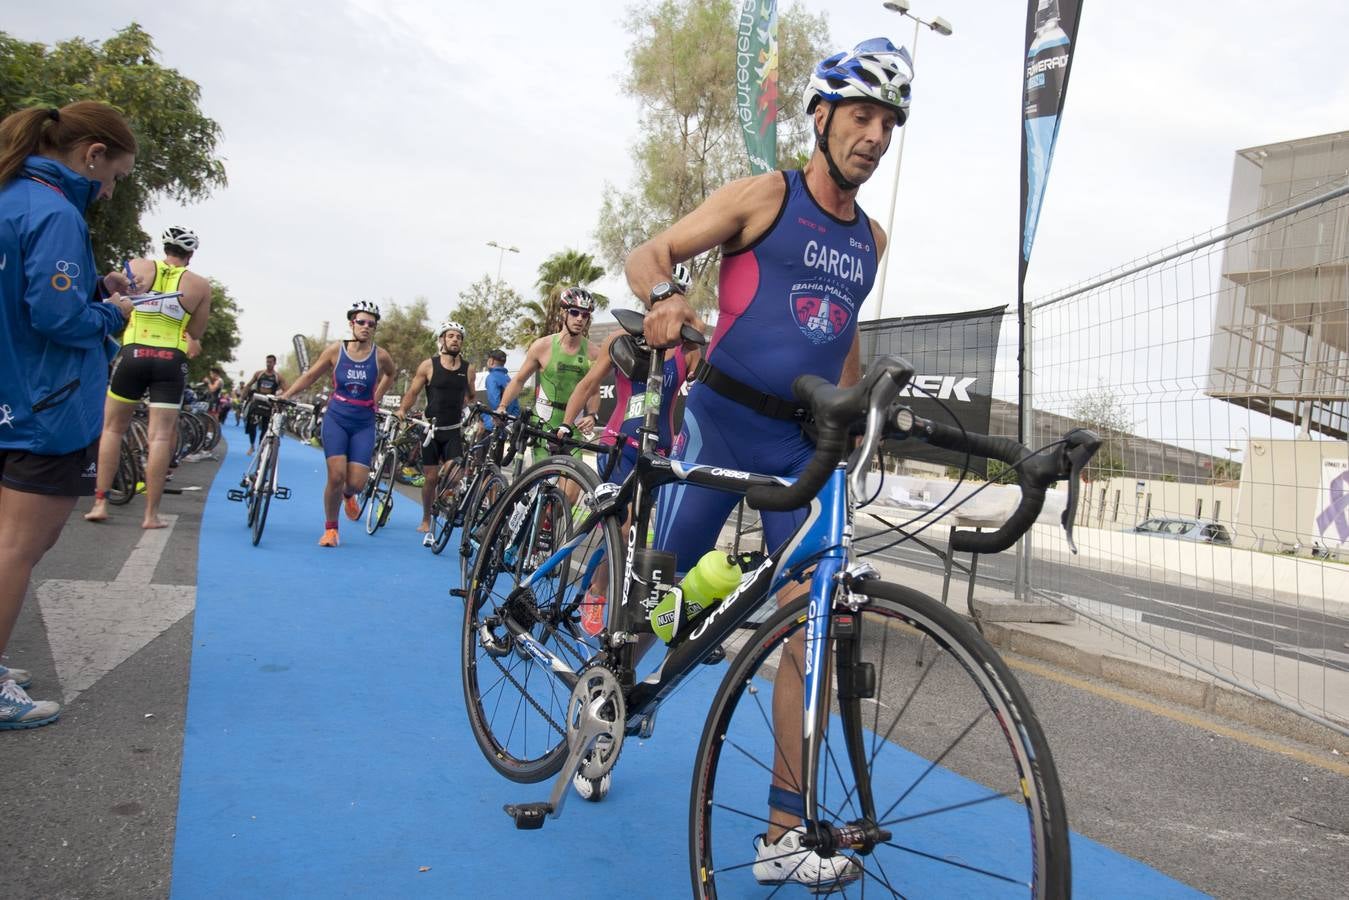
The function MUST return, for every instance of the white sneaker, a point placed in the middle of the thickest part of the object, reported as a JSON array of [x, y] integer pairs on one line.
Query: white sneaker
[[21, 677], [18, 710], [787, 862]]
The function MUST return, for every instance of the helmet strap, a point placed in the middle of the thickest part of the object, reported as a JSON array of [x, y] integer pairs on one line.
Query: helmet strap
[[822, 139]]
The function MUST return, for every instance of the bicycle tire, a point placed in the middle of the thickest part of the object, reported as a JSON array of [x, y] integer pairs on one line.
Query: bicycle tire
[[516, 707], [210, 427], [265, 489], [381, 495], [478, 508], [939, 762], [123, 486], [443, 512]]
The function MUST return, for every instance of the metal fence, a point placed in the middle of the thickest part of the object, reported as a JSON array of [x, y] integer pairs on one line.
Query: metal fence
[[1214, 530]]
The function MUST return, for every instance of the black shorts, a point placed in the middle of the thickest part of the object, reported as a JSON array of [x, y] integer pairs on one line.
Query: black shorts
[[445, 446], [68, 475], [159, 370]]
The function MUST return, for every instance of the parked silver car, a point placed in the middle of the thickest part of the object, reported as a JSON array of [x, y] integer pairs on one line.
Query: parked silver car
[[1205, 531]]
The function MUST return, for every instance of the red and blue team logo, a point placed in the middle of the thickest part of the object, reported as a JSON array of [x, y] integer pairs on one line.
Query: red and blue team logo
[[819, 319]]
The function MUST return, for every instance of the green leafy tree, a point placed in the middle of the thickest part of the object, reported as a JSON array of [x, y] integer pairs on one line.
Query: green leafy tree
[[488, 309], [681, 68], [222, 334], [405, 331], [177, 140], [1107, 413], [562, 270]]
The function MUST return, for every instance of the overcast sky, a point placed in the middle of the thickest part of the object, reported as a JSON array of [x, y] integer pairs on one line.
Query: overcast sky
[[373, 147]]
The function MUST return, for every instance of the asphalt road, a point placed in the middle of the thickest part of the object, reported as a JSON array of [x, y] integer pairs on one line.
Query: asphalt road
[[1249, 623]]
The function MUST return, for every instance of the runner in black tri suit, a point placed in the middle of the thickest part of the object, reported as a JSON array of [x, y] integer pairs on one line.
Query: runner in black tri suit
[[264, 381], [448, 379]]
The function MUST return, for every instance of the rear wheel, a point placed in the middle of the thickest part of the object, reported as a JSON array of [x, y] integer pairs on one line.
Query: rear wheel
[[516, 707], [963, 783], [123, 486]]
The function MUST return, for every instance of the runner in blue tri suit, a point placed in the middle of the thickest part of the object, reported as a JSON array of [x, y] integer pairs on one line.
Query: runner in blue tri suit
[[361, 374], [798, 258]]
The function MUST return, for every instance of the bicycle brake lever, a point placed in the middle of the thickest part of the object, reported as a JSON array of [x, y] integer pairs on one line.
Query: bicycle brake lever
[[1080, 445]]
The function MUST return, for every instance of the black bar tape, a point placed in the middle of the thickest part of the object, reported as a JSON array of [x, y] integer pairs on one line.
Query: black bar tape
[[1032, 500]]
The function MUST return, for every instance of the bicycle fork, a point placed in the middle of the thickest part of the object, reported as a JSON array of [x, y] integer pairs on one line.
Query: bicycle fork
[[833, 620]]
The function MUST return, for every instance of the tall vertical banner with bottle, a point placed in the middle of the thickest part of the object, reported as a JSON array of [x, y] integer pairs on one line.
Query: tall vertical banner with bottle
[[1051, 34], [756, 82]]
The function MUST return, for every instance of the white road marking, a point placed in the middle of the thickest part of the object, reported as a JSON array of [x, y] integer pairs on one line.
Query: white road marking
[[94, 626]]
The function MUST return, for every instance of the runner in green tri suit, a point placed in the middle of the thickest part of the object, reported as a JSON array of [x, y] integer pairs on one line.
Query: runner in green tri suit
[[561, 361]]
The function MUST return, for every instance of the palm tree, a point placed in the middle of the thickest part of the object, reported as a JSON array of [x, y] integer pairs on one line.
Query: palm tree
[[562, 270]]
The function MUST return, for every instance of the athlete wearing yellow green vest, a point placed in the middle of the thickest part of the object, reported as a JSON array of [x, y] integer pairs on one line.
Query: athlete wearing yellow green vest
[[159, 338], [561, 361]]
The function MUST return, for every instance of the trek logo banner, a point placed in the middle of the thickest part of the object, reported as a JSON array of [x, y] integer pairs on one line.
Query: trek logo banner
[[953, 357], [1051, 33], [756, 82]]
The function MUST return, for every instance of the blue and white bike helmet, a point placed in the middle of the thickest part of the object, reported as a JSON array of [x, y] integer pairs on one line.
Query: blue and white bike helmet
[[874, 70]]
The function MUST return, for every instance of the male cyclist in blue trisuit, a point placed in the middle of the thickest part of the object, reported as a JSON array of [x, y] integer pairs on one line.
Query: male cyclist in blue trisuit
[[798, 258]]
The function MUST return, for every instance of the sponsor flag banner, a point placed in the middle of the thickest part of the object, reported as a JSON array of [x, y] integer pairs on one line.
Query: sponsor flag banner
[[301, 352], [1051, 33], [1331, 524], [756, 82], [953, 357]]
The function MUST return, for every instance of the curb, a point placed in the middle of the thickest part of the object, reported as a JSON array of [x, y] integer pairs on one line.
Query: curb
[[1184, 690]]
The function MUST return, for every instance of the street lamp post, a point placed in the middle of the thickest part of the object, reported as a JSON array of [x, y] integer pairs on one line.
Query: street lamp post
[[501, 257], [942, 27]]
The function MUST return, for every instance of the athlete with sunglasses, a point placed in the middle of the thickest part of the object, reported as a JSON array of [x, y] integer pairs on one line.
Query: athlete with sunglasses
[[561, 360], [361, 374]]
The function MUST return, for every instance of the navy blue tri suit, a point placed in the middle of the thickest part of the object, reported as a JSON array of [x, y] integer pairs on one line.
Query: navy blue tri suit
[[788, 306], [349, 422]]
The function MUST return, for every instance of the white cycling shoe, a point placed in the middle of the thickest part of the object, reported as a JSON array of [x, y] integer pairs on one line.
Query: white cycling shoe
[[787, 862]]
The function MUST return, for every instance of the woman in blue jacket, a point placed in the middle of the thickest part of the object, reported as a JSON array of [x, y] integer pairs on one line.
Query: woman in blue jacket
[[56, 341]]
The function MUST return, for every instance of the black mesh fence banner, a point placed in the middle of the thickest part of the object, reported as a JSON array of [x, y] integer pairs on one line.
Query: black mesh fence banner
[[953, 357]]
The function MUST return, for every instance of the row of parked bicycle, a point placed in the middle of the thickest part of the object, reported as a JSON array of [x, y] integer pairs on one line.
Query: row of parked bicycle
[[198, 432]]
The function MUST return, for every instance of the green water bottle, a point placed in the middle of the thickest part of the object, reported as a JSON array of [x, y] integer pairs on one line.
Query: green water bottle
[[707, 583]]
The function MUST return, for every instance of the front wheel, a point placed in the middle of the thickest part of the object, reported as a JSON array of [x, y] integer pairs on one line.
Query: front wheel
[[477, 509], [262, 500], [517, 707], [381, 495], [945, 763]]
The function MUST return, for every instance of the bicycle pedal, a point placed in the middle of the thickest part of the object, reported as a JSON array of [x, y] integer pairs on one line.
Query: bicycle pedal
[[528, 816], [235, 494], [281, 493]]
